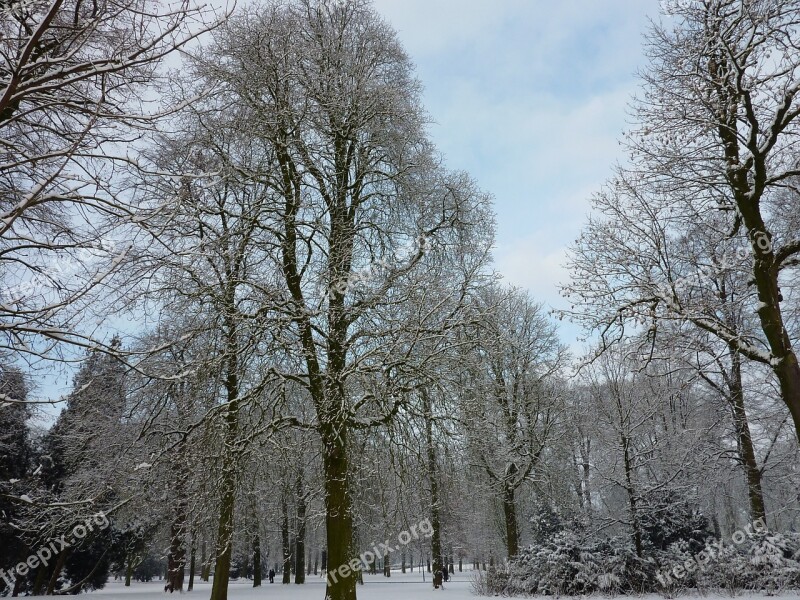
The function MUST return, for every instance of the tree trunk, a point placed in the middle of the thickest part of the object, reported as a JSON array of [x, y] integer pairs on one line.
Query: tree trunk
[[300, 540], [788, 372], [222, 567], [765, 274], [41, 577], [744, 439], [51, 586], [510, 513], [205, 562], [192, 563], [748, 189], [585, 450], [339, 514], [256, 561], [632, 502], [286, 568], [176, 561], [436, 538]]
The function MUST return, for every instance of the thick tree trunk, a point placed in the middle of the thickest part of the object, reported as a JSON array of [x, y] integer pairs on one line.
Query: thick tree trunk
[[765, 274], [788, 372], [744, 439], [222, 567], [256, 560], [341, 582], [176, 561], [510, 513], [748, 181]]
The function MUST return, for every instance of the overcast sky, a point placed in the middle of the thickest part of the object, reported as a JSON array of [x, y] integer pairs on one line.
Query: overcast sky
[[530, 98]]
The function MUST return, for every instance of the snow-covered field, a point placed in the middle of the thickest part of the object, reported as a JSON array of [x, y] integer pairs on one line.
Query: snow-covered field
[[376, 587]]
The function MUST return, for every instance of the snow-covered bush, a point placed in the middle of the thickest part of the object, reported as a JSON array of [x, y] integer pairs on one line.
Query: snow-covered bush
[[671, 519], [765, 562], [568, 565]]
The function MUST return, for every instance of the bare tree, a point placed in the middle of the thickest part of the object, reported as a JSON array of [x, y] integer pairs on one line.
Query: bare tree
[[513, 407], [76, 87], [326, 89], [718, 127]]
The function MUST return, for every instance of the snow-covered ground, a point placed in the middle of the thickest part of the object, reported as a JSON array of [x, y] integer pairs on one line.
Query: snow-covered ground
[[400, 586], [376, 587]]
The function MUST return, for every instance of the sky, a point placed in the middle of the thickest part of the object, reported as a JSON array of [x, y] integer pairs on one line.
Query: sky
[[530, 98]]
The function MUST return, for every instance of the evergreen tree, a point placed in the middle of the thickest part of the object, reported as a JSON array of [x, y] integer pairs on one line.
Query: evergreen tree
[[15, 455]]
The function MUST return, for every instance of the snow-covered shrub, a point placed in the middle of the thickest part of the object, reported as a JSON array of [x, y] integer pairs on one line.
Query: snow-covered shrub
[[555, 567], [772, 556], [670, 519], [568, 565], [764, 562]]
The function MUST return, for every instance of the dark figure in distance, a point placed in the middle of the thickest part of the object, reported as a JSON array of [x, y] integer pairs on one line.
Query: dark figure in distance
[[437, 579], [272, 575]]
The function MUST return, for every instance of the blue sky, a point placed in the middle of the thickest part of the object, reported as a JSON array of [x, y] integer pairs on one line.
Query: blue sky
[[530, 98]]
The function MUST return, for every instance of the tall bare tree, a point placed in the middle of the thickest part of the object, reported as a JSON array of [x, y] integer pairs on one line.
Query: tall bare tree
[[327, 90]]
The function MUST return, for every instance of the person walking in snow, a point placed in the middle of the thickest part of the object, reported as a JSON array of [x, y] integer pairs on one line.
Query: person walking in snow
[[437, 579], [272, 575]]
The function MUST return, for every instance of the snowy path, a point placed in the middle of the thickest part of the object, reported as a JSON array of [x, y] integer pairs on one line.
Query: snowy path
[[376, 587]]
